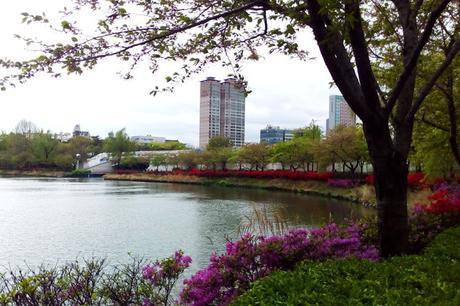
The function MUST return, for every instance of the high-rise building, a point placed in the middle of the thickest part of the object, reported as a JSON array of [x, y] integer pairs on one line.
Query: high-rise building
[[339, 113], [222, 111], [274, 134]]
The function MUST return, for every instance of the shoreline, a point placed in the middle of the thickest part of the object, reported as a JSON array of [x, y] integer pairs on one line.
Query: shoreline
[[363, 195], [32, 173]]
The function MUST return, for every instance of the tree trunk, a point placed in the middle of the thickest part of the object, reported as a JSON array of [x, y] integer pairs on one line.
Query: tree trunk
[[390, 173]]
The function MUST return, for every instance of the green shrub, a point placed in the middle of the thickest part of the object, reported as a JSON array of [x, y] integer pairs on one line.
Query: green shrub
[[79, 173], [428, 279]]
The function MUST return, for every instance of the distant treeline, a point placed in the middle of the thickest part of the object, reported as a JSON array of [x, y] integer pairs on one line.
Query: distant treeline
[[29, 148]]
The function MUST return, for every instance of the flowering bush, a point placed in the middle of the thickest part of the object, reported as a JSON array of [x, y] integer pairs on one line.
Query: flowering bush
[[444, 200], [251, 258], [414, 180], [163, 275], [340, 183], [427, 220], [90, 283]]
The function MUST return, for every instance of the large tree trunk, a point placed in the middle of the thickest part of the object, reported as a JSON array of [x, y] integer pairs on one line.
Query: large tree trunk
[[390, 173], [391, 192]]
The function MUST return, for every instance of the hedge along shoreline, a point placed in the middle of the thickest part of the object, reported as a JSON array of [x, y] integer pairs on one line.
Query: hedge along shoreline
[[363, 195]]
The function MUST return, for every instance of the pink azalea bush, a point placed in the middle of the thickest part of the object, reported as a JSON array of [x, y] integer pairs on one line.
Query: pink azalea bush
[[341, 183], [251, 257], [162, 276], [442, 212]]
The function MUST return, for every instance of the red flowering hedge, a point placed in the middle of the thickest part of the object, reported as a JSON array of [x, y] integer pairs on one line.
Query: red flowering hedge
[[414, 179], [443, 201], [269, 174]]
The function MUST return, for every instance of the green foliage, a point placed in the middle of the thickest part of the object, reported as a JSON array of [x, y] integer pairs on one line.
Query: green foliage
[[79, 173], [295, 154], [187, 160], [167, 146], [117, 144], [44, 147], [134, 163], [218, 142], [428, 279], [344, 144], [312, 132], [217, 154], [256, 155], [431, 150], [158, 160]]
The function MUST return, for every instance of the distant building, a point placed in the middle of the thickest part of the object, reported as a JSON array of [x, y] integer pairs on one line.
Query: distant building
[[78, 132], [274, 134], [339, 113], [63, 137], [222, 111], [148, 139]]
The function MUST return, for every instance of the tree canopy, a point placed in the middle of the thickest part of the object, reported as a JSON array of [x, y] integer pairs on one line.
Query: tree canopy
[[117, 144]]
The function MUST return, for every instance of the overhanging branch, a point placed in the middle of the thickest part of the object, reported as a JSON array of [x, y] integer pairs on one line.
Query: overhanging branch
[[409, 68], [429, 85], [177, 30]]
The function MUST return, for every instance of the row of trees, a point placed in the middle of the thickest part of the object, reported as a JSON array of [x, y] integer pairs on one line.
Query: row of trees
[[307, 151], [28, 147], [42, 150]]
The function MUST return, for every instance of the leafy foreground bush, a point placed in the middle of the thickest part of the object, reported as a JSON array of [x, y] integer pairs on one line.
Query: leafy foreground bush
[[428, 279], [251, 258], [91, 282]]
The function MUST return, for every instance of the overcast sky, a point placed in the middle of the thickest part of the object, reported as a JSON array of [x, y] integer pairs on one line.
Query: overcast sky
[[285, 92]]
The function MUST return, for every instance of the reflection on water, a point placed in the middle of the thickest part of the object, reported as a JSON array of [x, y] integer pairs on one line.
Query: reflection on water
[[52, 220]]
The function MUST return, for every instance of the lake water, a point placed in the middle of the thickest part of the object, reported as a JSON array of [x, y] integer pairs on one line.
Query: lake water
[[54, 220]]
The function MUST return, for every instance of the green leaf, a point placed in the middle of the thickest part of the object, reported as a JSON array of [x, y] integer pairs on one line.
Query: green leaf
[[65, 24]]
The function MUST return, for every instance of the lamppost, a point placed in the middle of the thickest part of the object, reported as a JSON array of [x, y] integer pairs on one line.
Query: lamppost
[[77, 156]]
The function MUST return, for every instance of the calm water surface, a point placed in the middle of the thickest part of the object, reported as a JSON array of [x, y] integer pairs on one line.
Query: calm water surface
[[55, 220]]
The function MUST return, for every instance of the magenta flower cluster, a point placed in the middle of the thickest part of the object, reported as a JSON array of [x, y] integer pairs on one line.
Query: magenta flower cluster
[[162, 276], [340, 183], [250, 258]]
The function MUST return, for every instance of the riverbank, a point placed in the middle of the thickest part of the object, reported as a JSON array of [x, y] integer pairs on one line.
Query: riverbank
[[363, 195], [32, 173]]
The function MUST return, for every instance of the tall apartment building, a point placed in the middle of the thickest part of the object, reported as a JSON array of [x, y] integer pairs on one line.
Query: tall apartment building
[[222, 111], [339, 113]]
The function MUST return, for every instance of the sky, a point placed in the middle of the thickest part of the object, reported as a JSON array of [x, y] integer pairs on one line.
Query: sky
[[285, 92]]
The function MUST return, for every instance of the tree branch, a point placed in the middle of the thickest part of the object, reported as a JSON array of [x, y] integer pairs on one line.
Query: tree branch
[[429, 85], [360, 50], [432, 124], [336, 58], [409, 68], [177, 30]]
